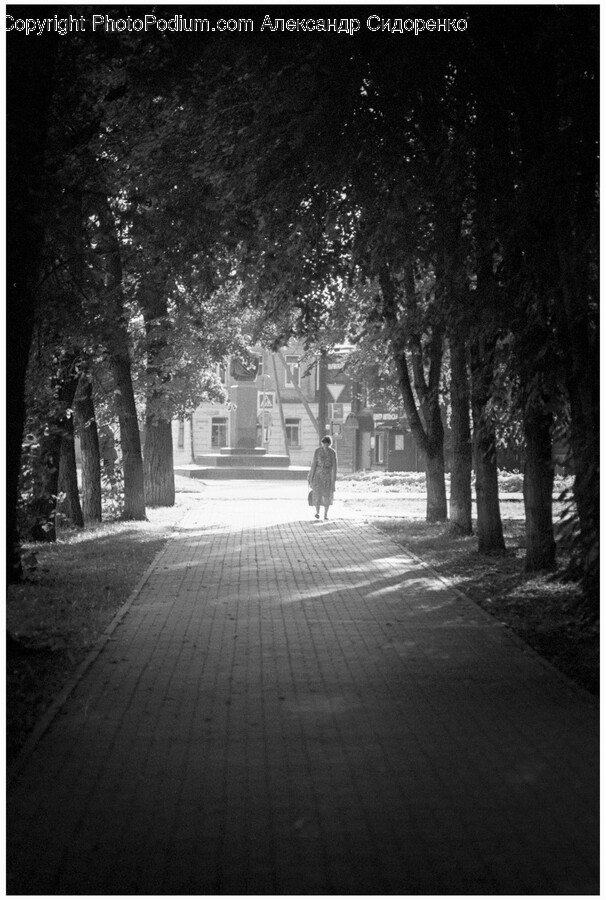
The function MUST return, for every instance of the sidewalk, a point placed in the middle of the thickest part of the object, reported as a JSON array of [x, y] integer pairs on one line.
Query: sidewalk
[[299, 707]]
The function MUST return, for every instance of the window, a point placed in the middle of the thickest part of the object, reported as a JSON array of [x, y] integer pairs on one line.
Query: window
[[181, 435], [218, 434], [293, 432], [399, 442], [291, 372], [379, 448]]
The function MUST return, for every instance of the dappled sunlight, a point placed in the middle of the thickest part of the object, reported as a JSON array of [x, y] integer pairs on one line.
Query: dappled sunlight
[[434, 607], [315, 593], [322, 705], [194, 531]]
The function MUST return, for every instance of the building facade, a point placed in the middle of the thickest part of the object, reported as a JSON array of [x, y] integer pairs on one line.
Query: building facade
[[281, 402], [274, 404]]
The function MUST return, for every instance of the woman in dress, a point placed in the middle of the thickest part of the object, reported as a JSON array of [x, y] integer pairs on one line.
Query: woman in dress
[[322, 476]]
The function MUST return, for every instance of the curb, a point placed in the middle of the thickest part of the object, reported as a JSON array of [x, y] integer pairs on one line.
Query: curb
[[50, 713], [592, 699]]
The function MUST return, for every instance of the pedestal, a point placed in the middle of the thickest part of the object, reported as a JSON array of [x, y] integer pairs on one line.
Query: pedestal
[[245, 420]]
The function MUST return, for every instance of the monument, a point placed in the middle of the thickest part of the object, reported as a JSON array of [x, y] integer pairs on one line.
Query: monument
[[244, 371]]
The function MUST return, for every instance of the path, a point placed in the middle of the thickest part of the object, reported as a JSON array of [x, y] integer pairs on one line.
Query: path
[[294, 707]]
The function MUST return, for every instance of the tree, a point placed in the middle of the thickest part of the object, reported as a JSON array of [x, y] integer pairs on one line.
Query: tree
[[106, 247], [29, 84], [86, 425], [428, 430], [543, 118], [69, 503], [460, 475], [54, 426]]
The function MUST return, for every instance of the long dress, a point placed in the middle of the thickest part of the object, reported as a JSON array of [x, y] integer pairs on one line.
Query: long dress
[[322, 476]]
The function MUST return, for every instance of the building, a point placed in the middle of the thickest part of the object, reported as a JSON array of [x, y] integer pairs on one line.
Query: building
[[280, 402]]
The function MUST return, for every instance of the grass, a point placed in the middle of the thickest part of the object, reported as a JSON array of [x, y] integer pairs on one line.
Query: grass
[[72, 591], [509, 482], [543, 609]]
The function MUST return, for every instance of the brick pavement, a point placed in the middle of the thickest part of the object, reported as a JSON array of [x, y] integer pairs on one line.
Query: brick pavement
[[299, 707]]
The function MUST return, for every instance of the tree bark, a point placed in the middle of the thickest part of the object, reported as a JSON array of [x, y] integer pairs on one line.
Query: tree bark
[[29, 89], [460, 475], [158, 463], [491, 132], [281, 405], [436, 488], [435, 470], [46, 487], [427, 431], [158, 457], [584, 440], [538, 490], [43, 505], [489, 525], [130, 440], [192, 439], [69, 506], [89, 446], [579, 338], [119, 354]]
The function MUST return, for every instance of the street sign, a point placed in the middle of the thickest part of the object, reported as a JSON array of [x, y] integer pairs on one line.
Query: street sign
[[335, 412], [335, 390], [266, 400]]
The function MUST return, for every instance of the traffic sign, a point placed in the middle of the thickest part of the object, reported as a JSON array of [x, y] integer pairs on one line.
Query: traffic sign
[[335, 390]]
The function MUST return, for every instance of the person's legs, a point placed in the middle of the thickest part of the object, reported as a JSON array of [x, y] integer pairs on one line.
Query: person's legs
[[318, 511], [325, 512]]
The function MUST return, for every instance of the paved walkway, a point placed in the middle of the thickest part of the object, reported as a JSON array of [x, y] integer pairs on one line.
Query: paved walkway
[[299, 707]]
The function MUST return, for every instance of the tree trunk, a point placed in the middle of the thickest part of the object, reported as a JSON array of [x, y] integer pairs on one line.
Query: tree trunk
[[158, 463], [489, 525], [460, 475], [281, 405], [428, 431], [158, 459], [579, 337], [584, 440], [435, 470], [192, 439], [43, 506], [69, 506], [119, 354], [538, 490], [89, 446], [29, 90], [130, 440], [46, 488], [436, 488]]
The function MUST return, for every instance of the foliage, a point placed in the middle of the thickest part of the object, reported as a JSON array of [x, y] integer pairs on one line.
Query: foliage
[[342, 191]]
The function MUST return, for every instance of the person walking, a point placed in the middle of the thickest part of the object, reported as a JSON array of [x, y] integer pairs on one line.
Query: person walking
[[322, 476]]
